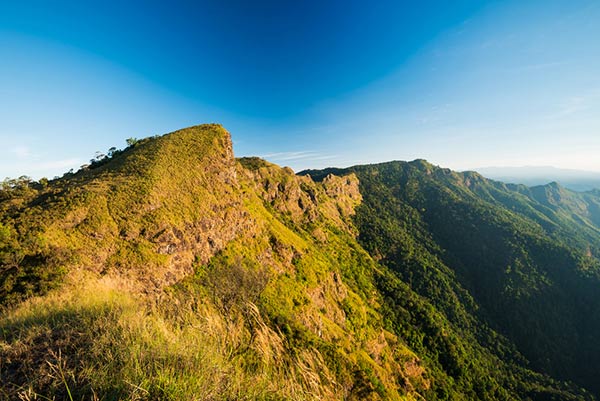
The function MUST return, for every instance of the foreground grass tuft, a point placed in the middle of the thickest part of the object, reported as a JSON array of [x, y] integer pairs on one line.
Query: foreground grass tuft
[[99, 343]]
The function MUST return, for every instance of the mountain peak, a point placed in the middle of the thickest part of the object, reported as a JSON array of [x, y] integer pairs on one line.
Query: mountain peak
[[128, 215], [196, 145], [181, 151]]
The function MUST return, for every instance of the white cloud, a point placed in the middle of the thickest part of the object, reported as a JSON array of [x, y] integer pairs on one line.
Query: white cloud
[[286, 156], [573, 105], [58, 164], [300, 160], [37, 169], [21, 151]]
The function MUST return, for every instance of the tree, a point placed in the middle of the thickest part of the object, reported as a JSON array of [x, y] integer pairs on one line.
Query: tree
[[98, 158], [112, 151]]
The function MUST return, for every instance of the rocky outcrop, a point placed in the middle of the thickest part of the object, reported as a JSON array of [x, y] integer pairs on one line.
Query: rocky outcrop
[[302, 199], [168, 203]]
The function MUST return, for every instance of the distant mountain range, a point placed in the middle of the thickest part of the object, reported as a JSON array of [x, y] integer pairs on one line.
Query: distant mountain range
[[577, 180]]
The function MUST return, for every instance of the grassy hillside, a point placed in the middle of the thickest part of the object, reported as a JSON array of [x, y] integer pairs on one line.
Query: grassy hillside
[[172, 270]]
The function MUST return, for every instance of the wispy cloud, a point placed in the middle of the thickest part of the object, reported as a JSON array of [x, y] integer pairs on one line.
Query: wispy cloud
[[300, 160], [288, 155], [572, 105], [36, 169], [24, 155], [21, 151], [58, 164], [540, 66], [298, 155]]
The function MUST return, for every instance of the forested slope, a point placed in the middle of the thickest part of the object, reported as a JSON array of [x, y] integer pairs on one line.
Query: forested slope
[[521, 261]]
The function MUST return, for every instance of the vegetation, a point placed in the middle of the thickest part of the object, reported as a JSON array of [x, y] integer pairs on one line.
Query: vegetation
[[171, 270], [512, 268]]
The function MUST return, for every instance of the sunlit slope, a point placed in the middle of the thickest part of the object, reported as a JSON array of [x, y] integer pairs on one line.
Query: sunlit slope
[[182, 273], [131, 216]]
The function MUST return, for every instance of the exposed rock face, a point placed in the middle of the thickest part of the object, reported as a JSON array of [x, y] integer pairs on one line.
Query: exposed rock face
[[195, 212], [303, 200], [171, 206], [167, 203]]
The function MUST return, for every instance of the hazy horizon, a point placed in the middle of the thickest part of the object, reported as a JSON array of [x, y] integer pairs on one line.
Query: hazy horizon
[[540, 167]]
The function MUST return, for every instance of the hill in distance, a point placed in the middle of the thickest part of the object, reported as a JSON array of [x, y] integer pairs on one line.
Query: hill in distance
[[576, 180], [172, 270]]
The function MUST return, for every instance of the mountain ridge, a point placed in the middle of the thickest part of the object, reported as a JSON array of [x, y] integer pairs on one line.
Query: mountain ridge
[[174, 266], [517, 218]]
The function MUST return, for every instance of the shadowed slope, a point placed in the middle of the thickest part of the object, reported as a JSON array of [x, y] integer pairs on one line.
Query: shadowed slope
[[521, 260]]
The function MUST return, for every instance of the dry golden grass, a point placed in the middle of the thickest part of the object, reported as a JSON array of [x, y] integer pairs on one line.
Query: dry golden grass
[[97, 342]]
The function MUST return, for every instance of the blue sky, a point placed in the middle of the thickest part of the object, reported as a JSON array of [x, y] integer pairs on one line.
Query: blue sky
[[463, 84]]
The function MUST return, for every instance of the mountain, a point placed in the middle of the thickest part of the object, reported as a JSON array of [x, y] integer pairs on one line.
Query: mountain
[[576, 180], [173, 270], [526, 256]]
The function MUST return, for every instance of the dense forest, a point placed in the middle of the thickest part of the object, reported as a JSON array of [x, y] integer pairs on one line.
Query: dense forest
[[520, 261], [172, 270]]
